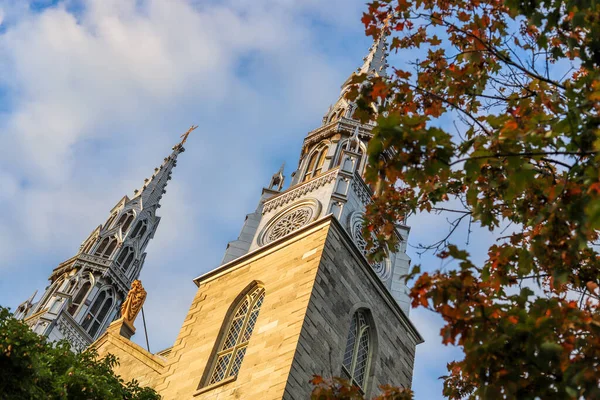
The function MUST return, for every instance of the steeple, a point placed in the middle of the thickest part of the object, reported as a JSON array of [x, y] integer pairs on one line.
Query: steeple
[[375, 62], [329, 181], [86, 291]]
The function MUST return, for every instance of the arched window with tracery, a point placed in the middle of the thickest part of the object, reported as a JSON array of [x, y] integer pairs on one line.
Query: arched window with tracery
[[356, 356], [79, 298], [49, 292], [88, 246], [125, 221], [110, 221], [354, 147], [140, 229], [106, 247], [97, 313], [234, 342], [126, 258], [315, 163]]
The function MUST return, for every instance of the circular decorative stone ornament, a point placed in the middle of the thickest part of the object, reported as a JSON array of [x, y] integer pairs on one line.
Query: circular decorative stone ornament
[[290, 220], [383, 268]]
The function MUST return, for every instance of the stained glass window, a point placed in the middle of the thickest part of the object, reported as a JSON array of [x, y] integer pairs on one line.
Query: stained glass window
[[356, 355], [232, 349]]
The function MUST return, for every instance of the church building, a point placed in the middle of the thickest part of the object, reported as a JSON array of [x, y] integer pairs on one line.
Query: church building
[[294, 296]]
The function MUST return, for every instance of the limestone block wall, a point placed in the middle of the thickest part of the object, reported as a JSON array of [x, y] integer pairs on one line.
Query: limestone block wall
[[344, 284], [134, 361]]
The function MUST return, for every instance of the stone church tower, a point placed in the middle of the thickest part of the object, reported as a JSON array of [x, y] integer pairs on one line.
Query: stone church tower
[[86, 291], [295, 295]]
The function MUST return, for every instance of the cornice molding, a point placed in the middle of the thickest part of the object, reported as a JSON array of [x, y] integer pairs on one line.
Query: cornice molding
[[300, 190]]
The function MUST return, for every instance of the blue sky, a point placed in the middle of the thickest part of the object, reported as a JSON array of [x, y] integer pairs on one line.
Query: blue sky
[[93, 95]]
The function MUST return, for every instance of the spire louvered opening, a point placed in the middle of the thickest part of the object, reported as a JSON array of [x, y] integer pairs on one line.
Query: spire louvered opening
[[140, 229], [126, 258], [106, 247], [79, 297], [97, 313], [125, 221], [315, 163]]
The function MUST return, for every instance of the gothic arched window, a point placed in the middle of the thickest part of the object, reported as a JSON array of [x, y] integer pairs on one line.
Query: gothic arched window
[[315, 163], [140, 229], [233, 344], [79, 297], [110, 221], [126, 258], [97, 312], [106, 247], [356, 356], [88, 246], [354, 147], [50, 291], [125, 221]]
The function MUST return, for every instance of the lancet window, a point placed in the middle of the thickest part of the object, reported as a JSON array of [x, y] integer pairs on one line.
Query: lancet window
[[233, 344], [98, 312], [355, 147], [315, 163], [79, 297], [356, 355], [140, 229], [88, 246], [53, 288], [110, 221], [106, 247], [125, 221], [126, 258]]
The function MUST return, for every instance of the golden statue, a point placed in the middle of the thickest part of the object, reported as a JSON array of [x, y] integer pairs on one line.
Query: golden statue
[[134, 302]]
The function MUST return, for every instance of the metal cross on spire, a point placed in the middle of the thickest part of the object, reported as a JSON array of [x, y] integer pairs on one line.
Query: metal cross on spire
[[185, 135]]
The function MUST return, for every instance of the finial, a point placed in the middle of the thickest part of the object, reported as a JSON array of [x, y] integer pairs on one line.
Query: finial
[[185, 135], [277, 179]]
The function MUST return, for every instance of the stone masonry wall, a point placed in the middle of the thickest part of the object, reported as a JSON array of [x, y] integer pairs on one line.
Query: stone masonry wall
[[343, 285]]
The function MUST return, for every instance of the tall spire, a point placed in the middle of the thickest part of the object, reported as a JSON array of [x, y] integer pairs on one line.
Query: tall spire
[[376, 61], [155, 186], [86, 291]]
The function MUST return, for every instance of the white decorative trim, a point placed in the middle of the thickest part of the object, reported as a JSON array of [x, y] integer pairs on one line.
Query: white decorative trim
[[69, 328], [299, 191], [362, 191], [343, 124]]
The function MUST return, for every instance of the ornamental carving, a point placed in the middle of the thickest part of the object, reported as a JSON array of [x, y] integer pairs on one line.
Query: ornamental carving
[[134, 301], [382, 268], [289, 223], [66, 326], [361, 189], [299, 191], [289, 220]]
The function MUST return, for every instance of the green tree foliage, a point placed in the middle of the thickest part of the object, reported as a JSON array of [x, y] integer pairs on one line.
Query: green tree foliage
[[497, 124], [33, 368]]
